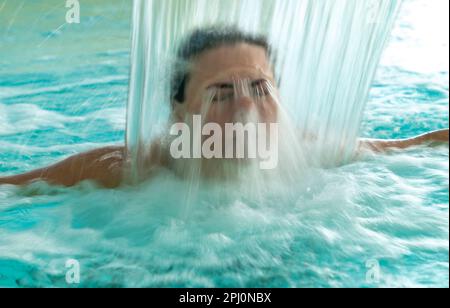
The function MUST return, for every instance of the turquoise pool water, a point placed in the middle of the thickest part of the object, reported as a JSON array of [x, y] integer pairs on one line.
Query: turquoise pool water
[[378, 222]]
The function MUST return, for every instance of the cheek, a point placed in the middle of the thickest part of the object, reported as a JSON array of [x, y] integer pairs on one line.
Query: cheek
[[268, 111], [194, 107]]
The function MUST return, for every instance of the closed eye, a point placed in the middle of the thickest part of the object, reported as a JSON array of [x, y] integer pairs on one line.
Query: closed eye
[[221, 92]]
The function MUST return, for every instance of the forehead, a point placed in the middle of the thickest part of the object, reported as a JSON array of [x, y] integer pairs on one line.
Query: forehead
[[229, 61]]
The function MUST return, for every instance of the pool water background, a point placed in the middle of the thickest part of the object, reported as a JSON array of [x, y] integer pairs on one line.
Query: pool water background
[[63, 90]]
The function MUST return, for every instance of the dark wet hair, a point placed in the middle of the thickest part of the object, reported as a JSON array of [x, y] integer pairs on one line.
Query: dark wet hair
[[203, 40]]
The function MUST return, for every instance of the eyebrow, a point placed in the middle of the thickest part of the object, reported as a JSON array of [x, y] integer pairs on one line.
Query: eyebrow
[[225, 85], [221, 85], [256, 82]]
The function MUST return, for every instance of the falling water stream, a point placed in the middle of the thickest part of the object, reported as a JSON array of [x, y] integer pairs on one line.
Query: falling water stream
[[327, 53]]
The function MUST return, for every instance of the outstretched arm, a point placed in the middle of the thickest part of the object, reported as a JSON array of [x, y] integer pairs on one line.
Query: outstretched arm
[[430, 139], [103, 166]]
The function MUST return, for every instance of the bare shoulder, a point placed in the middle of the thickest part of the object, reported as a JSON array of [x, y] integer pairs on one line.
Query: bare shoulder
[[104, 166]]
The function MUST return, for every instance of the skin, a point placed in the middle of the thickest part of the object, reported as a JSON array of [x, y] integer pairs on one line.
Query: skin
[[215, 67], [241, 61]]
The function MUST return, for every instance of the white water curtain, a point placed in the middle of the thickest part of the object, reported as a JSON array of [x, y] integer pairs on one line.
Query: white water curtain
[[327, 55]]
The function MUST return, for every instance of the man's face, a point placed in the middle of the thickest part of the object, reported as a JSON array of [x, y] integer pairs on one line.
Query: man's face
[[230, 83]]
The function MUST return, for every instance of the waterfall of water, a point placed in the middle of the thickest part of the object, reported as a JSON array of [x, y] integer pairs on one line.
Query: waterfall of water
[[327, 55]]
